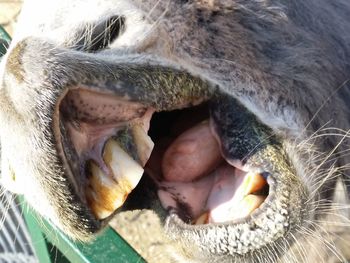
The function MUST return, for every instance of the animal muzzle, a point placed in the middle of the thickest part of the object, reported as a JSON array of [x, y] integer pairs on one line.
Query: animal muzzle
[[117, 119]]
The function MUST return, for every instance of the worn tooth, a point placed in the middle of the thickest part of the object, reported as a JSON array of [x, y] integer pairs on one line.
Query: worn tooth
[[253, 182], [94, 203], [125, 170], [202, 219], [248, 205], [143, 143], [105, 195]]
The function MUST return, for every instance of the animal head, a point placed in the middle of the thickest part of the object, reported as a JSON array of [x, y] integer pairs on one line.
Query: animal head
[[228, 119]]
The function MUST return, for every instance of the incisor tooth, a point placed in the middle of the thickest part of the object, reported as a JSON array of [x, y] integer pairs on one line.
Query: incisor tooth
[[202, 219], [143, 143], [253, 182], [95, 205], [125, 170], [248, 205], [104, 195]]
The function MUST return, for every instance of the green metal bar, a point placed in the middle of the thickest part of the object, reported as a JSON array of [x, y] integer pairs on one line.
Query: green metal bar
[[55, 255], [38, 240], [47, 238], [107, 247], [4, 41]]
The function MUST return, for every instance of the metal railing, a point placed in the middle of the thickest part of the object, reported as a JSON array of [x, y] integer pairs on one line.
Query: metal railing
[[15, 242]]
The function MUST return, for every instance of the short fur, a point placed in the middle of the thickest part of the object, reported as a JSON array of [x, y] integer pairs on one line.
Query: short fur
[[287, 62]]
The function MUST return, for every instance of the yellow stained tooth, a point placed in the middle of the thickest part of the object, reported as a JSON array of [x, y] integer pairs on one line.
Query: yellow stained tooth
[[202, 219], [249, 204], [95, 206], [253, 182], [125, 170], [105, 195], [143, 143]]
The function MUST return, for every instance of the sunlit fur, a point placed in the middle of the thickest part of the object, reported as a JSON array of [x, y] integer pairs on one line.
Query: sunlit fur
[[288, 62]]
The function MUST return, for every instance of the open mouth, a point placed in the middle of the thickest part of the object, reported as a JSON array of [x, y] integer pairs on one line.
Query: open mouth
[[113, 142], [212, 164], [197, 182]]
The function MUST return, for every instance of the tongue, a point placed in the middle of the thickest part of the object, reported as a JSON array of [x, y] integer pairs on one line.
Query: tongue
[[193, 154], [199, 181], [222, 196]]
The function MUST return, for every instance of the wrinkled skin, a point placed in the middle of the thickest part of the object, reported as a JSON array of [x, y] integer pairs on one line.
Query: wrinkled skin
[[276, 76]]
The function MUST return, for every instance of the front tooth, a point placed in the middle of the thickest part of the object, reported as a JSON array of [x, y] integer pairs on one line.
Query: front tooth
[[253, 182], [202, 219], [125, 170], [248, 205], [94, 203], [143, 143], [105, 195]]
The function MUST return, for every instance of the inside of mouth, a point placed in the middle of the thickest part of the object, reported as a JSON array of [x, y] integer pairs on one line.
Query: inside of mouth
[[116, 142]]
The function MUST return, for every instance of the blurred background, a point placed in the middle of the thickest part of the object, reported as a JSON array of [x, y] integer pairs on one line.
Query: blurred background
[[9, 10]]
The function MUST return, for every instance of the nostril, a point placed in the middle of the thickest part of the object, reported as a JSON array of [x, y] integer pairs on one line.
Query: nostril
[[98, 36]]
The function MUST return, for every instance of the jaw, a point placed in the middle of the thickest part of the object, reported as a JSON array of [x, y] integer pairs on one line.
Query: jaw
[[247, 193], [134, 91]]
